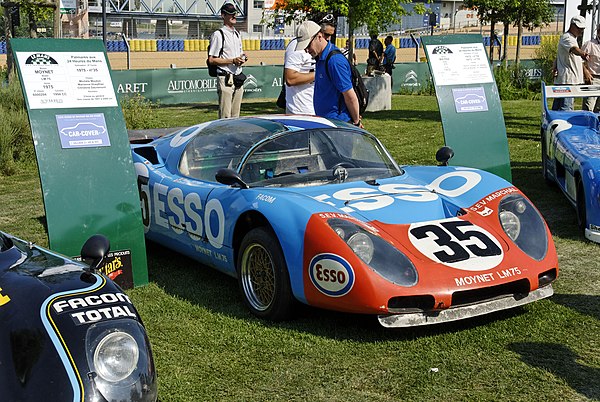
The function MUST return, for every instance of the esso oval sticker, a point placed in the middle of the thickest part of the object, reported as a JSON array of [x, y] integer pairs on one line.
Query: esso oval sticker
[[331, 274], [457, 243]]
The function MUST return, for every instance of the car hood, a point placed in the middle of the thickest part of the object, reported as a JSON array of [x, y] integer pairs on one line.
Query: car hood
[[420, 194]]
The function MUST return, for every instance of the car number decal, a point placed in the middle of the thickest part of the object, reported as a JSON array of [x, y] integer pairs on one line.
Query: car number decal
[[369, 199], [457, 243]]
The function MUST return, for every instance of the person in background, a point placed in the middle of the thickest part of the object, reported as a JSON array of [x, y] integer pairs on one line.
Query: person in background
[[226, 52], [389, 55], [334, 95], [569, 61], [328, 26], [591, 70], [375, 53], [346, 52], [299, 77]]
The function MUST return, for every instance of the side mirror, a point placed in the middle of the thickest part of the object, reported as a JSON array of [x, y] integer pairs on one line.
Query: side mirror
[[94, 250], [443, 155], [230, 177]]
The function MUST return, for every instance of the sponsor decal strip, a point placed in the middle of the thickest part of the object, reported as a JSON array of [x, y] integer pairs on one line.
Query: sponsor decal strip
[[59, 342]]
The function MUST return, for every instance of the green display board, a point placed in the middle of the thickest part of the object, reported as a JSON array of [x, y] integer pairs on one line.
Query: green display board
[[171, 86], [469, 103], [82, 148]]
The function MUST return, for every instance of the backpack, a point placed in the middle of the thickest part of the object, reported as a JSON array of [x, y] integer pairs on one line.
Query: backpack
[[362, 93], [212, 68]]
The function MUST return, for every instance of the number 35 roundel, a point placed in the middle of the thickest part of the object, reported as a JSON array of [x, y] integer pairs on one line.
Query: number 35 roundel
[[456, 243]]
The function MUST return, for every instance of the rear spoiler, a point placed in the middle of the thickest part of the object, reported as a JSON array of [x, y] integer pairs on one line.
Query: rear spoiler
[[571, 91]]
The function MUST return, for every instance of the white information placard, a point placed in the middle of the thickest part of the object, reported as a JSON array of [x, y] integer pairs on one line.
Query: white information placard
[[459, 64], [55, 80]]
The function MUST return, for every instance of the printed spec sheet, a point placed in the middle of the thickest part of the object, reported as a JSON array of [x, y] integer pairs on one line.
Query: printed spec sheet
[[66, 80]]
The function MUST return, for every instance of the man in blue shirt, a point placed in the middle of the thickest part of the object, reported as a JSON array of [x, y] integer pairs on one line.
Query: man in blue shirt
[[334, 96], [389, 55]]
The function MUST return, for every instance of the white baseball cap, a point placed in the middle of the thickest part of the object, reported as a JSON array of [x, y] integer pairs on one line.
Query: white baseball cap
[[578, 21], [305, 33]]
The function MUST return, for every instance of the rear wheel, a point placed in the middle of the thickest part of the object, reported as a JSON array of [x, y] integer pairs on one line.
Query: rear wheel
[[581, 209], [263, 276]]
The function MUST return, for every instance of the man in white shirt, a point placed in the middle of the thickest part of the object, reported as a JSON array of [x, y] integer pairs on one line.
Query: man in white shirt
[[591, 70], [569, 61], [226, 53], [299, 77]]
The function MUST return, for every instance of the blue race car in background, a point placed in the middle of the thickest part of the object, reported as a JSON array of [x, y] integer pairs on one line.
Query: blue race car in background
[[571, 154], [313, 210], [67, 332]]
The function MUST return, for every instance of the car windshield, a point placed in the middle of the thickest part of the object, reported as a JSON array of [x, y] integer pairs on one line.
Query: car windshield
[[222, 144], [319, 156]]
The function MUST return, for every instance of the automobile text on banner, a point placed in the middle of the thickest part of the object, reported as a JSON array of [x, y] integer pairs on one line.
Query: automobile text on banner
[[469, 103], [82, 149]]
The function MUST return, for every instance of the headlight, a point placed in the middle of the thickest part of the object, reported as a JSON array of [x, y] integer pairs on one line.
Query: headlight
[[381, 256], [116, 356], [511, 224], [362, 246], [120, 362], [524, 225]]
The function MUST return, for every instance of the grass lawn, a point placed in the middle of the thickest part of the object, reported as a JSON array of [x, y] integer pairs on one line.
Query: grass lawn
[[207, 346]]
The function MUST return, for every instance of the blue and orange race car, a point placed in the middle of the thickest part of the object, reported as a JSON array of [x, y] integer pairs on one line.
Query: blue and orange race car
[[571, 154], [313, 210]]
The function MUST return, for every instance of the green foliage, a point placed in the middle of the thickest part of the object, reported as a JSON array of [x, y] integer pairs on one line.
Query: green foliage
[[139, 112], [546, 54], [16, 145], [376, 15], [513, 83]]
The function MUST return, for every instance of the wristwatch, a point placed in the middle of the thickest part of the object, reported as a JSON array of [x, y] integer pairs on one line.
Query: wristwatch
[[357, 123]]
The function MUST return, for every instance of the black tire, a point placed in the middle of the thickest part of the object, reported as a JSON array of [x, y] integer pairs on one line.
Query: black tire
[[580, 203], [263, 276]]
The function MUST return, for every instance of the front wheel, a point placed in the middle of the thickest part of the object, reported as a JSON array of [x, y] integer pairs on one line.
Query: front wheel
[[263, 276]]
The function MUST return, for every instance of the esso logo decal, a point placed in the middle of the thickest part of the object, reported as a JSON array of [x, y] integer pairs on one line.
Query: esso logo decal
[[331, 275], [456, 243]]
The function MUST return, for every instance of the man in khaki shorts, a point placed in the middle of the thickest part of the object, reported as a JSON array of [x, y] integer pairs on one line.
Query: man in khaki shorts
[[226, 53]]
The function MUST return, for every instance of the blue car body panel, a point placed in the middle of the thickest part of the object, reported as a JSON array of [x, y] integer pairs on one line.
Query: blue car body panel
[[571, 159]]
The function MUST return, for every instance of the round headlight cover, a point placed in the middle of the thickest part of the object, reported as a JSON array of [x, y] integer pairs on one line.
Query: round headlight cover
[[383, 258], [524, 225], [116, 356]]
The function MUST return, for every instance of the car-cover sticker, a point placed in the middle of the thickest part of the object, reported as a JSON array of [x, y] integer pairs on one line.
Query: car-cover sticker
[[369, 199], [331, 274], [457, 244]]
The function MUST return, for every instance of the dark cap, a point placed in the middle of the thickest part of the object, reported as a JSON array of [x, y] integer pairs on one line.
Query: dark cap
[[228, 8]]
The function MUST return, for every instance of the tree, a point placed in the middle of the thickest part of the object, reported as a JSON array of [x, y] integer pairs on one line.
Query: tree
[[530, 14], [375, 14]]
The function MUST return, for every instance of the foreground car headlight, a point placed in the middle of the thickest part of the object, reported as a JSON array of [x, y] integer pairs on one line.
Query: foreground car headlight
[[524, 225], [120, 361], [116, 356], [381, 256]]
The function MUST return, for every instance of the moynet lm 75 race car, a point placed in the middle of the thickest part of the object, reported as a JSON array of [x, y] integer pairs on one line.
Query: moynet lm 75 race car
[[571, 154], [307, 209], [68, 333]]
